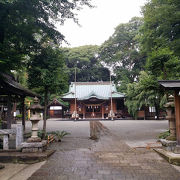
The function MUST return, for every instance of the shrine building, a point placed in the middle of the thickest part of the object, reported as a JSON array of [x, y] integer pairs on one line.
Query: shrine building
[[94, 99]]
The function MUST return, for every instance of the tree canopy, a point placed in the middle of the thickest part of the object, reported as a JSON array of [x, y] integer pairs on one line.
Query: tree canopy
[[27, 24], [144, 92], [88, 66], [46, 75], [160, 38], [121, 52]]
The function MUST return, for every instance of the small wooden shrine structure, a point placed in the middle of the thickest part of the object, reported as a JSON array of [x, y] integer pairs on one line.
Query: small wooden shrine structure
[[56, 109], [175, 86], [10, 92], [95, 99]]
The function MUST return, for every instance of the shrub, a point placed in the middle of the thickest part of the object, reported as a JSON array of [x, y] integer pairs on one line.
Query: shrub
[[19, 116], [59, 134], [164, 135]]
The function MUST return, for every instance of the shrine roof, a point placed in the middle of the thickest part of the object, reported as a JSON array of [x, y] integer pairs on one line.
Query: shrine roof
[[87, 90], [170, 84], [55, 102], [9, 86]]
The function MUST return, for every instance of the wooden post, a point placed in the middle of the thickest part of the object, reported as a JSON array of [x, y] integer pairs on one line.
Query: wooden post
[[102, 107], [84, 109], [9, 109], [177, 115], [23, 113], [75, 96], [112, 118]]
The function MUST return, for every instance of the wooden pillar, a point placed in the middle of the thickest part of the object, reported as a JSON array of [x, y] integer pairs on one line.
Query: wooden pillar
[[84, 111], [114, 106], [9, 109], [23, 113], [102, 107], [177, 115], [72, 106]]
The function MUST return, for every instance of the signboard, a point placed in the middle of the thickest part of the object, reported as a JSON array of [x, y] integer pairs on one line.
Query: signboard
[[55, 107]]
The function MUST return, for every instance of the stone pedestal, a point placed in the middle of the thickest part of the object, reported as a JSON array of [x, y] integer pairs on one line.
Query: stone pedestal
[[75, 115], [5, 142], [111, 115], [5, 133], [168, 145], [19, 136], [34, 146], [177, 149]]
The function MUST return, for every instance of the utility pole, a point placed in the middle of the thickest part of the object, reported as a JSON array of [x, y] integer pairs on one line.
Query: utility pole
[[75, 95], [111, 98]]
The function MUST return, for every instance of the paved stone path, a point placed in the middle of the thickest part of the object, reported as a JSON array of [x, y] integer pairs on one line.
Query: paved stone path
[[105, 158]]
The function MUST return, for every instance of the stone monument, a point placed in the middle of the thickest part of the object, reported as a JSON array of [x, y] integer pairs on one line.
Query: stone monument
[[34, 143]]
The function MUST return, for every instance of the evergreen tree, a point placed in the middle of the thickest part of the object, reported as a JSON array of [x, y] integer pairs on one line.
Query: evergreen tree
[[46, 75]]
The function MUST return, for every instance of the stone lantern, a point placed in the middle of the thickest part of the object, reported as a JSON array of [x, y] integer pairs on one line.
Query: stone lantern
[[170, 110], [35, 109], [34, 143]]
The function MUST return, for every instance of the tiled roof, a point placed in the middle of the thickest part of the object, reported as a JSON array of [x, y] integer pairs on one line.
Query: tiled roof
[[55, 102], [170, 84], [86, 90], [9, 86]]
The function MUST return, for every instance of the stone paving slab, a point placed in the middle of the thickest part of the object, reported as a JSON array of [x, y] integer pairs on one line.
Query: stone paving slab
[[20, 157], [169, 156], [14, 171], [107, 158]]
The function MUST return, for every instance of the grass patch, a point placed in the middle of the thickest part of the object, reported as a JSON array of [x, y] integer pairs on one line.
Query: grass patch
[[164, 135]]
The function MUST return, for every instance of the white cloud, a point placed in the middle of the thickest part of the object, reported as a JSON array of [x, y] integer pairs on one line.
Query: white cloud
[[98, 24]]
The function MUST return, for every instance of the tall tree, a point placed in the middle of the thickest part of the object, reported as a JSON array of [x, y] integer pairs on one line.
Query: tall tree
[[121, 52], [26, 24], [144, 92], [85, 59], [161, 38], [46, 75], [160, 42]]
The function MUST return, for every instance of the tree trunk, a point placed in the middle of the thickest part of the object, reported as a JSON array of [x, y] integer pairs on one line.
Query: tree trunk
[[1, 35], [9, 115], [23, 113], [3, 21], [45, 111]]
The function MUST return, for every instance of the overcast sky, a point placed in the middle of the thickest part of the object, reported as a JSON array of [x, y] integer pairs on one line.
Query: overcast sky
[[98, 24]]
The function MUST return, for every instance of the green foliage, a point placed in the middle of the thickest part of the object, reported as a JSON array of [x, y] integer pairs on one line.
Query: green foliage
[[164, 135], [121, 52], [163, 64], [85, 59], [145, 92], [47, 72], [59, 134], [131, 102], [26, 25], [161, 25], [22, 76], [41, 134], [19, 116], [160, 38]]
